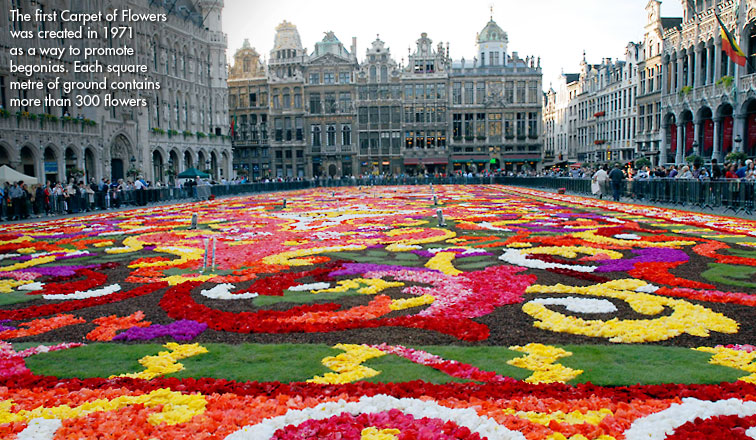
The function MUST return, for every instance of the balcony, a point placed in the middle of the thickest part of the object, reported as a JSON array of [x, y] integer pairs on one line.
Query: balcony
[[42, 124]]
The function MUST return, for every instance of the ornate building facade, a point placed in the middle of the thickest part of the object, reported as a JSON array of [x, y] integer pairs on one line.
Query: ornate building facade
[[184, 123], [496, 104], [708, 103], [382, 117]]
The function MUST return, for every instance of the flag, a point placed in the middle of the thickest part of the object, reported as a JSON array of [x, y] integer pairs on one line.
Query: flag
[[233, 125], [730, 46]]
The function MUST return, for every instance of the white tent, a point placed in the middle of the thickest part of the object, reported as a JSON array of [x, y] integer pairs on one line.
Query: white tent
[[8, 174]]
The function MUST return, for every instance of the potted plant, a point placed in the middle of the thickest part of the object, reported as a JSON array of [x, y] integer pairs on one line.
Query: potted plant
[[736, 157]]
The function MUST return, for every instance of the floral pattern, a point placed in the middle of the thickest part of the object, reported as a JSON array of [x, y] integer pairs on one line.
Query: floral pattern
[[370, 273]]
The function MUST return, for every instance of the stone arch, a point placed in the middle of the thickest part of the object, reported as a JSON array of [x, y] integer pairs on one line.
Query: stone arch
[[725, 114], [51, 162], [224, 165], [121, 153], [705, 117], [188, 160], [28, 156], [749, 140], [71, 159], [158, 165], [5, 150], [90, 163]]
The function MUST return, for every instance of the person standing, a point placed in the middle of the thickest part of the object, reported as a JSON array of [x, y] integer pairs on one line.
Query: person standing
[[617, 178], [716, 171], [598, 184]]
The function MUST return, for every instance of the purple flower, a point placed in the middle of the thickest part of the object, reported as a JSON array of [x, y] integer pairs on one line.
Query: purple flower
[[183, 330]]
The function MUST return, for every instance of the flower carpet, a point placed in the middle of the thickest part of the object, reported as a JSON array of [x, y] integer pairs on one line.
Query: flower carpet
[[356, 313]]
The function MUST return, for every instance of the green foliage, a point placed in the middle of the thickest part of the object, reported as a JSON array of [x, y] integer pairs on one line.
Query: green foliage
[[694, 159], [642, 162], [725, 81], [736, 156], [730, 274], [685, 91]]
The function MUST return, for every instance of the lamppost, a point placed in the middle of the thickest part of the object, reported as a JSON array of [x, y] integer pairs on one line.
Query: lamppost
[[207, 167], [738, 141], [695, 147]]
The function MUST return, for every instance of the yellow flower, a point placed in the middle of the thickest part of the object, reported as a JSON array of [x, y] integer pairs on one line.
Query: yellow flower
[[348, 365], [738, 359], [442, 262], [541, 360], [166, 361], [685, 317]]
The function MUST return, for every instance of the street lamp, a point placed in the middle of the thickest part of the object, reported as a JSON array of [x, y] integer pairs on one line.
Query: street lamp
[[738, 141], [695, 147], [133, 166]]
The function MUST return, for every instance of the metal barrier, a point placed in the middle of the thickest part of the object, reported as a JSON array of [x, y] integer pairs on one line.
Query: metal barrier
[[726, 195]]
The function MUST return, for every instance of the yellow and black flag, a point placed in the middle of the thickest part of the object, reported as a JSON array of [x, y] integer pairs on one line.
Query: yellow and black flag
[[730, 46]]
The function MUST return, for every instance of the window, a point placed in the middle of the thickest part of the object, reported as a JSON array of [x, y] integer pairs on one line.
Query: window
[[494, 125], [384, 74], [468, 92], [384, 114], [315, 129], [441, 91], [276, 102], [315, 103], [480, 94], [297, 98], [509, 126], [408, 91], [509, 92], [494, 58], [533, 125], [457, 93], [328, 78], [362, 115], [346, 135], [469, 122], [331, 135], [345, 102], [457, 125], [278, 124], [533, 92], [419, 91], [345, 78], [396, 115], [288, 154], [372, 74], [521, 91], [315, 78], [253, 99], [286, 98], [409, 139], [520, 125], [279, 154], [330, 103], [480, 125], [287, 129]]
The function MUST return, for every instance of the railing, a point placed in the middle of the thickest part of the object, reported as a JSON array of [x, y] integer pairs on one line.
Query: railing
[[724, 195]]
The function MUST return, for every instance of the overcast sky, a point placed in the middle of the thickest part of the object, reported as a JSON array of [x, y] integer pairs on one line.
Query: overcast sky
[[556, 30]]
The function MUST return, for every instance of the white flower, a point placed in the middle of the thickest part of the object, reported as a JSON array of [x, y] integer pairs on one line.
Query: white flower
[[308, 287], [84, 295], [627, 237], [647, 288], [223, 291], [659, 425], [40, 429], [517, 258], [417, 408], [31, 286], [580, 305]]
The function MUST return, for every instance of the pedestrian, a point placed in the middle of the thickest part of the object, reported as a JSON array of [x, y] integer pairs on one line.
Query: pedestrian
[[617, 178], [598, 182], [716, 171]]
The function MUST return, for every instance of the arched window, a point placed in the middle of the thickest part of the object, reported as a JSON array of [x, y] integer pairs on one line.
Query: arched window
[[384, 74], [331, 136], [372, 74], [346, 135]]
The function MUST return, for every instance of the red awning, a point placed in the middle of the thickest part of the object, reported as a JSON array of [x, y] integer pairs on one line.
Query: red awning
[[576, 165]]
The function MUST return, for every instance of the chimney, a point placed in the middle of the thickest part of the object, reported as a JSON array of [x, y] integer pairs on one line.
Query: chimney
[[354, 47]]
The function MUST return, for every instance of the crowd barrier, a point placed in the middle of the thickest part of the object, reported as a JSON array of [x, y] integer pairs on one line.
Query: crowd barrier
[[736, 196]]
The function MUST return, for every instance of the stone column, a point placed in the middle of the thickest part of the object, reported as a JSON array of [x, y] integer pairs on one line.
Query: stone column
[[664, 76], [697, 136], [679, 72], [700, 72], [679, 157], [717, 60], [709, 64], [738, 129], [691, 67], [716, 150]]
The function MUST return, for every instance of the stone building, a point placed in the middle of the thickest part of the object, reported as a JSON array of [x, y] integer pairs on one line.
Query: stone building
[[379, 112], [330, 115], [286, 83], [708, 104], [248, 106], [183, 124], [648, 97], [425, 82], [495, 106]]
